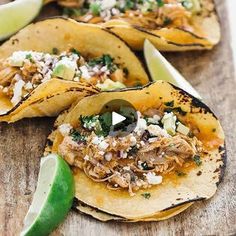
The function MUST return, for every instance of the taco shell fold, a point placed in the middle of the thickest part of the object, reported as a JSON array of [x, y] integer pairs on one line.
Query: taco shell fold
[[174, 194], [53, 96]]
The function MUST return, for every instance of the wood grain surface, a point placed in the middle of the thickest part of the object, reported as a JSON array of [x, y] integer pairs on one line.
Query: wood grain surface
[[22, 143]]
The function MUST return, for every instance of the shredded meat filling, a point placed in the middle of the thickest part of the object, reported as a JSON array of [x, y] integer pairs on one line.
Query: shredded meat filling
[[131, 162]]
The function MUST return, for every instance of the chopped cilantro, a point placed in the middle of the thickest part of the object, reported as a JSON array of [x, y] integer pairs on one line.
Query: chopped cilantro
[[95, 8], [88, 122], [29, 57], [167, 21], [73, 50], [180, 173], [146, 195], [197, 160], [145, 166], [106, 122], [72, 12], [160, 3], [55, 51], [105, 60], [129, 4], [77, 137]]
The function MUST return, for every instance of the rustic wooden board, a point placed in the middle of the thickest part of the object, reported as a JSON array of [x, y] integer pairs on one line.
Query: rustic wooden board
[[22, 145]]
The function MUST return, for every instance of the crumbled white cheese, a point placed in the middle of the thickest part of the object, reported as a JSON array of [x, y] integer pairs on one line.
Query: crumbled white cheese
[[152, 140], [133, 141], [141, 125], [103, 145], [97, 140], [123, 154], [182, 129], [153, 179], [140, 165], [169, 123], [68, 63], [107, 4], [28, 86], [17, 92], [108, 156], [65, 129], [17, 58], [5, 90], [86, 158], [142, 143], [85, 72], [126, 168], [156, 130], [154, 120]]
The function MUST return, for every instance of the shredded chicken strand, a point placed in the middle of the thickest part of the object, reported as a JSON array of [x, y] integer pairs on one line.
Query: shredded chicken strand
[[112, 159]]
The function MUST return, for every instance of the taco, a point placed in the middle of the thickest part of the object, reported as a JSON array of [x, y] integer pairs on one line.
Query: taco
[[171, 25], [174, 156], [49, 64]]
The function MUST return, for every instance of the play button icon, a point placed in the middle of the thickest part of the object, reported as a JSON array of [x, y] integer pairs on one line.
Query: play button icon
[[121, 117], [117, 118]]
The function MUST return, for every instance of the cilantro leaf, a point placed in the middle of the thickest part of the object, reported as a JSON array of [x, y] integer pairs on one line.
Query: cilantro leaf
[[77, 137], [146, 195], [197, 160]]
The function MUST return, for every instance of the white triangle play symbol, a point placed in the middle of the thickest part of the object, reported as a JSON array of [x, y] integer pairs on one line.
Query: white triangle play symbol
[[117, 118]]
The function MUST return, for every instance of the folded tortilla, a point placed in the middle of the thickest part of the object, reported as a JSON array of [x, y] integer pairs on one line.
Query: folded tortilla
[[54, 95], [177, 192], [202, 32]]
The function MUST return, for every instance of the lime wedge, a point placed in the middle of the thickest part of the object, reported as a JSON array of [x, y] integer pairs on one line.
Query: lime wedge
[[53, 197], [161, 69], [15, 15]]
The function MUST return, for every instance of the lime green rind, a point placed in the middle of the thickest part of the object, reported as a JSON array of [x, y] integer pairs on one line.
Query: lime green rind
[[15, 15], [58, 203], [161, 69]]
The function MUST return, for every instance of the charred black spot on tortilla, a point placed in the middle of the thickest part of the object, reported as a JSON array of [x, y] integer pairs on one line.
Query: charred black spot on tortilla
[[126, 71], [180, 173], [223, 153], [178, 199], [75, 203], [80, 203], [199, 173], [147, 93], [49, 142], [216, 170], [14, 41], [169, 104], [160, 97]]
